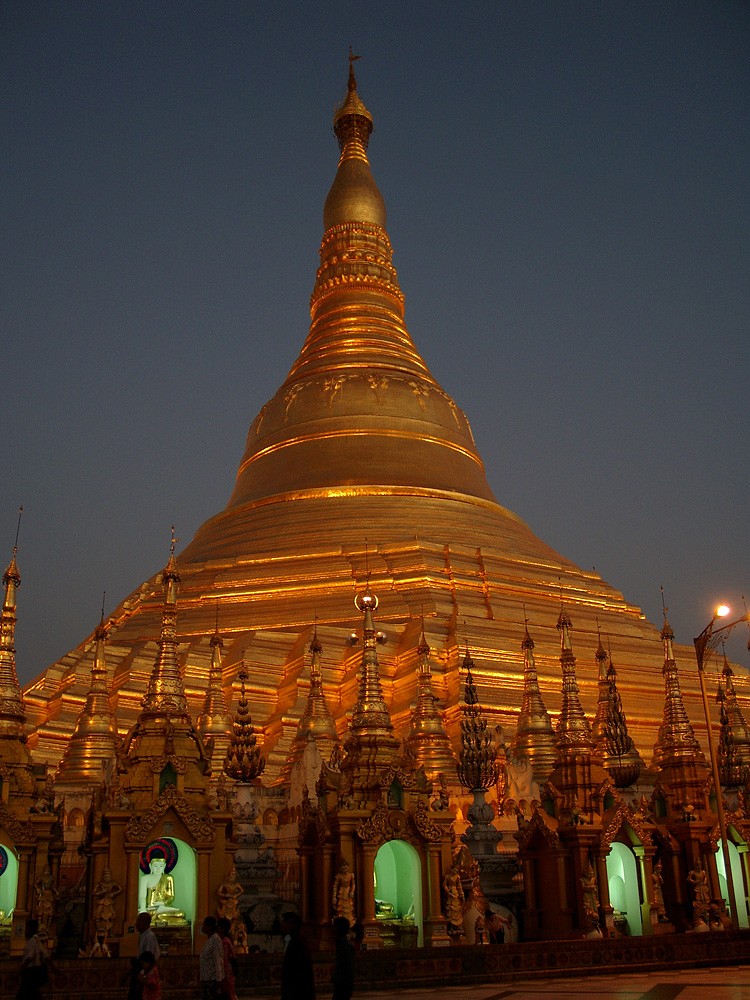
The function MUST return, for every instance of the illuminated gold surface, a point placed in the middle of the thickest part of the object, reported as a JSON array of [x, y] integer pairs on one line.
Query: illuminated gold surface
[[734, 735], [316, 720], [94, 738], [613, 746], [535, 736], [428, 741], [361, 442]]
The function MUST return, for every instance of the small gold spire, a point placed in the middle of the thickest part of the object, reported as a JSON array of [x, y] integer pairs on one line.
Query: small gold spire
[[215, 721], [428, 741], [573, 728], [676, 742], [535, 736], [613, 746], [243, 761], [166, 694], [12, 709], [316, 720], [370, 745], [477, 759], [94, 738], [734, 735]]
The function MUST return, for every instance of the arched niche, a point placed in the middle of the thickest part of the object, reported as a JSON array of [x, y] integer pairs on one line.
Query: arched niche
[[178, 864], [740, 903], [398, 881], [622, 876], [8, 880]]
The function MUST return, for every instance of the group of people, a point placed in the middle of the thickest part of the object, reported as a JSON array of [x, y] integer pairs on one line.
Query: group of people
[[217, 962], [297, 976]]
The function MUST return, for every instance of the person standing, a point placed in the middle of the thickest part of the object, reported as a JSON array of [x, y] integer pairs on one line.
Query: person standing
[[34, 964], [147, 940], [150, 982], [297, 977], [343, 968], [230, 961], [211, 960]]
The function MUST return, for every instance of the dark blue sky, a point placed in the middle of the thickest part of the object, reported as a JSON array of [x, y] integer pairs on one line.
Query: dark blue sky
[[567, 193]]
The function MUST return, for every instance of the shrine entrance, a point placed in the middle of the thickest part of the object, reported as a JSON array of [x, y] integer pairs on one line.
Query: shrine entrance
[[740, 897], [398, 894], [8, 887], [622, 874]]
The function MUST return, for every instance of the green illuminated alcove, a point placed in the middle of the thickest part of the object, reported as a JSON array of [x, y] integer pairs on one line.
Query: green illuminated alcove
[[739, 894], [398, 881], [622, 874], [8, 882]]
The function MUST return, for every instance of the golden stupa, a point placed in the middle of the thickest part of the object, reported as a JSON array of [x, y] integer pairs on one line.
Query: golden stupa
[[363, 467]]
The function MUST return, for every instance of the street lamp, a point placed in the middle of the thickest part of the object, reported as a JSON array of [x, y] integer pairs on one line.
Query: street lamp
[[705, 641]]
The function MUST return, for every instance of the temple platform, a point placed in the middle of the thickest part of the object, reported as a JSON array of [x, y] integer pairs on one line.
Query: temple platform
[[633, 967]]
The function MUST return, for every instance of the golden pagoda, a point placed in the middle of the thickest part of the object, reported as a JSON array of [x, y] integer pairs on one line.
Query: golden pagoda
[[359, 440]]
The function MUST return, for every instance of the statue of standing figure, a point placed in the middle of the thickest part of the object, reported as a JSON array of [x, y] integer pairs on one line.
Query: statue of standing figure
[[699, 882], [45, 900], [228, 895], [104, 906], [342, 896], [657, 883], [454, 900], [590, 897]]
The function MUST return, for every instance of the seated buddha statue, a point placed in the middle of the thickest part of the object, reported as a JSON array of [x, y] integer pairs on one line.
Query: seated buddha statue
[[156, 894]]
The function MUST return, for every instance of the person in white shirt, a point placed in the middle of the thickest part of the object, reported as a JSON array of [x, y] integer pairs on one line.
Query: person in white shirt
[[147, 940]]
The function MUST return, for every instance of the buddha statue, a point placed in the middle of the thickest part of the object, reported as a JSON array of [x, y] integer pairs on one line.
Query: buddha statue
[[156, 893]]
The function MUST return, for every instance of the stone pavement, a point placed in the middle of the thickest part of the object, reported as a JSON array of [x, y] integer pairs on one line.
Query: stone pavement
[[726, 982]]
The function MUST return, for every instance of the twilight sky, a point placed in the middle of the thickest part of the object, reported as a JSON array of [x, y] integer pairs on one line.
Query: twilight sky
[[568, 200]]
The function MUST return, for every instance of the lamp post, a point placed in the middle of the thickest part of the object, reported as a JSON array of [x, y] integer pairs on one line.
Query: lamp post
[[705, 641]]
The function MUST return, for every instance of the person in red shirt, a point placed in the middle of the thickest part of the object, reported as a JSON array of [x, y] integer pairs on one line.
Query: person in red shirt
[[150, 977]]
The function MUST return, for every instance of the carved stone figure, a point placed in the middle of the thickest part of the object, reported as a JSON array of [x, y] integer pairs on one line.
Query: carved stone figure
[[342, 897], [228, 895], [441, 802], [104, 906], [657, 882], [453, 901], [590, 896], [45, 900], [699, 882]]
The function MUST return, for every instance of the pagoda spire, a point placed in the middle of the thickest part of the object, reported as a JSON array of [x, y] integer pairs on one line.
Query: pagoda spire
[[370, 745], [12, 709], [317, 720], [215, 722], [428, 741], [243, 761], [95, 737], [477, 760], [359, 406], [573, 728], [676, 742], [166, 694], [734, 736], [613, 746], [535, 735]]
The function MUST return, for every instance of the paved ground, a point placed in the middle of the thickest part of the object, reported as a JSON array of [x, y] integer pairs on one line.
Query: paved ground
[[724, 983]]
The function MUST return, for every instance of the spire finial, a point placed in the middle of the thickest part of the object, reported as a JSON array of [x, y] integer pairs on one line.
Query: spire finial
[[352, 60], [104, 598], [18, 528], [174, 542]]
